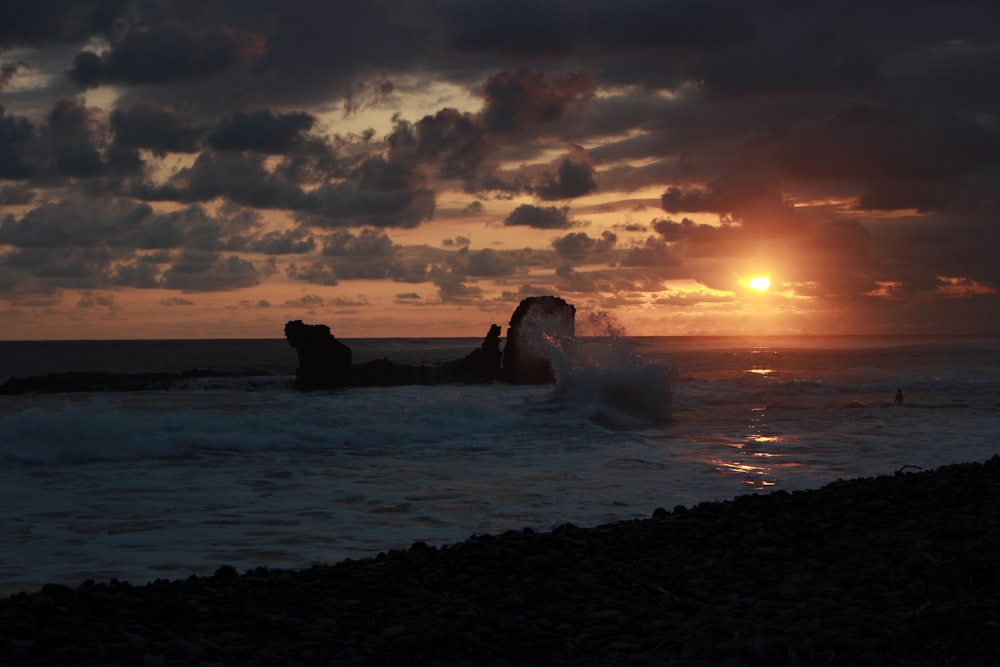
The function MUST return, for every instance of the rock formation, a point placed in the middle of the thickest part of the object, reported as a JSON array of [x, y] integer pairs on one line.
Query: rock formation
[[480, 365], [538, 323], [323, 360]]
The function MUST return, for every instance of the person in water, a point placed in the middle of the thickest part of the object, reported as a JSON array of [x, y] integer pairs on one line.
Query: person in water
[[899, 397]]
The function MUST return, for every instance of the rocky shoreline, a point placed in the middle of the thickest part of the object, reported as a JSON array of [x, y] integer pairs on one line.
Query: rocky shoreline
[[894, 570]]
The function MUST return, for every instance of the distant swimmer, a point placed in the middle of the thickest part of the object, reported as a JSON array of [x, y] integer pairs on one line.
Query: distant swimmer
[[899, 397]]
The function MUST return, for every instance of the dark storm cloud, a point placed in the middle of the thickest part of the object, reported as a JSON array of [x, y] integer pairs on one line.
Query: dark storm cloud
[[346, 205], [573, 179], [190, 227], [154, 126], [526, 97], [262, 131], [459, 145], [168, 54], [70, 142], [904, 158], [51, 268], [369, 254], [16, 134], [579, 247], [654, 252], [748, 198], [563, 28], [804, 49], [244, 179], [688, 231], [51, 21], [366, 244], [539, 217], [143, 273], [74, 222], [196, 271], [452, 288], [485, 263], [457, 142]]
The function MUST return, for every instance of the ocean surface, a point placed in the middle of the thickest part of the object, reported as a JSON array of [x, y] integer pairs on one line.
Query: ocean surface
[[249, 472]]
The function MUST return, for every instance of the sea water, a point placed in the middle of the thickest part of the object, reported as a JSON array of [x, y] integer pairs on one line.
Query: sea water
[[250, 472]]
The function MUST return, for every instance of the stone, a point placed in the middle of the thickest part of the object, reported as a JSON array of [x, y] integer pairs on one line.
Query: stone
[[538, 324], [324, 361]]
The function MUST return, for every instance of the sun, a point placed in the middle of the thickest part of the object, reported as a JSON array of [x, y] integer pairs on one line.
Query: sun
[[760, 283]]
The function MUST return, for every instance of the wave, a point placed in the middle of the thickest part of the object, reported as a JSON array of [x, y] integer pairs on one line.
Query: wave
[[412, 422], [604, 375]]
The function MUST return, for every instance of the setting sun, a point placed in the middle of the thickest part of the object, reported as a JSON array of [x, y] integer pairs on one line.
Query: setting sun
[[759, 283]]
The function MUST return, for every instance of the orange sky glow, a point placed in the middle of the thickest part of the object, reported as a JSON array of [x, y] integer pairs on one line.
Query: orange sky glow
[[416, 173]]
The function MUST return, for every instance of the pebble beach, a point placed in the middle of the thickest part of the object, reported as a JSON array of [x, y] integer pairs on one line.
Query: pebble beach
[[892, 570]]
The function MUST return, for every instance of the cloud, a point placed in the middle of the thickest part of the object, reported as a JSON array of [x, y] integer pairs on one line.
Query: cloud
[[452, 287], [575, 178], [654, 252], [365, 245], [457, 242], [168, 54], [863, 165], [307, 301], [347, 205], [369, 254], [262, 131], [548, 217], [485, 263], [176, 301], [196, 271], [74, 222], [579, 247], [16, 195], [286, 242], [9, 70], [54, 21], [522, 98], [16, 135], [155, 126]]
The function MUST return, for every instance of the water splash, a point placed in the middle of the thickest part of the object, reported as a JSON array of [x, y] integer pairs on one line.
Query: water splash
[[600, 370]]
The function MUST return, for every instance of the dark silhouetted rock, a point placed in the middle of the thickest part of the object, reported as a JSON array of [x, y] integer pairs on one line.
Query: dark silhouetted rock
[[538, 324], [480, 365], [323, 360]]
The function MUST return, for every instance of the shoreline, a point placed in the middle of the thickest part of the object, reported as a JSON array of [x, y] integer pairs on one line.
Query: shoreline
[[890, 570]]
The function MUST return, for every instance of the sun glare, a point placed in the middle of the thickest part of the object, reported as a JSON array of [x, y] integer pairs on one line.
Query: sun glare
[[759, 283]]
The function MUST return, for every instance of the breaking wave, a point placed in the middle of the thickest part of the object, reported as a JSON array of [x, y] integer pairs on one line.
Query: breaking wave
[[598, 369]]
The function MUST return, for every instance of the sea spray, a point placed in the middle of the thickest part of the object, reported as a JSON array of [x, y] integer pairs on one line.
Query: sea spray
[[598, 369]]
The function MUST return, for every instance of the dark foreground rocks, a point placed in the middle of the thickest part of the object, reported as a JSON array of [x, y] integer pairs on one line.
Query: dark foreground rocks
[[897, 570]]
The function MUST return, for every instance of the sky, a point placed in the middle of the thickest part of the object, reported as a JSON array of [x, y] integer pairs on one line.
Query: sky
[[215, 168]]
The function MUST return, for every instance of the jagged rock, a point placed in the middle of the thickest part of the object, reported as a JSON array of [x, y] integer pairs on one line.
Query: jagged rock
[[323, 360], [538, 323], [480, 365]]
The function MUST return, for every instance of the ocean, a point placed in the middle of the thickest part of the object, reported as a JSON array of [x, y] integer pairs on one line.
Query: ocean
[[248, 471]]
